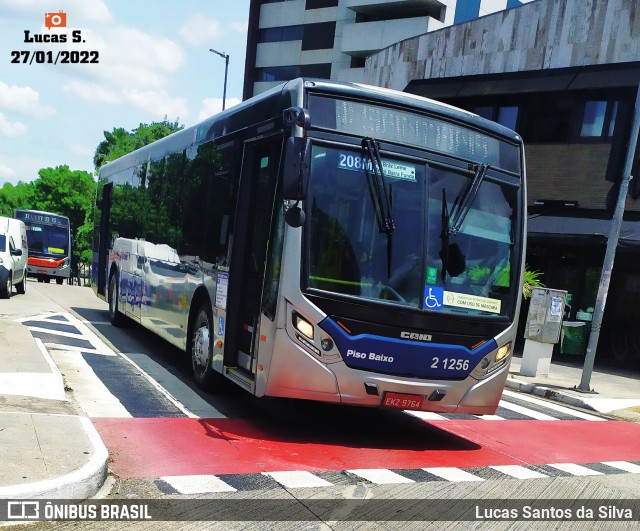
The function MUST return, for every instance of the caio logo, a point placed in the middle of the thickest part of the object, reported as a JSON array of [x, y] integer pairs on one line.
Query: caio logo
[[55, 20]]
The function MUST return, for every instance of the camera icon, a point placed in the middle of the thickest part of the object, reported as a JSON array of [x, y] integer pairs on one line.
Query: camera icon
[[55, 20]]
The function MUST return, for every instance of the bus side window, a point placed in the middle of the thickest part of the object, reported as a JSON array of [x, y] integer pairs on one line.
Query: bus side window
[[219, 171]]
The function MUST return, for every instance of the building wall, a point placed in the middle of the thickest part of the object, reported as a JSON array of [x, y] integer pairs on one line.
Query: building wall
[[356, 37], [540, 35], [568, 172]]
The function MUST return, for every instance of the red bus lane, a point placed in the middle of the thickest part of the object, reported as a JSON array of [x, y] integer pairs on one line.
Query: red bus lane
[[156, 447]]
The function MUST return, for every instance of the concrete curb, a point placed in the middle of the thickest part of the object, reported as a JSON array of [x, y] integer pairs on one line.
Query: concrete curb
[[547, 392], [82, 483]]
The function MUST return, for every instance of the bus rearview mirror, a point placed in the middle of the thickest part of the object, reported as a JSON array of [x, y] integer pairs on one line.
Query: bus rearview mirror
[[296, 168]]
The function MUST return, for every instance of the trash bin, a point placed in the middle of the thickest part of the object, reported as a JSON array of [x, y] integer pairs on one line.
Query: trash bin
[[573, 339]]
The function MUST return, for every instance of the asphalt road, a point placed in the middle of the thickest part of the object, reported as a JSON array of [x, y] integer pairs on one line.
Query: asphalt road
[[227, 455]]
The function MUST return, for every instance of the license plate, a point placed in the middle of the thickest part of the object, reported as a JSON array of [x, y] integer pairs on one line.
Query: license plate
[[42, 271], [402, 401]]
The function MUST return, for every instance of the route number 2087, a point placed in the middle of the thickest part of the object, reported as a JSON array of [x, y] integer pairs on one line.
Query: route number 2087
[[450, 364]]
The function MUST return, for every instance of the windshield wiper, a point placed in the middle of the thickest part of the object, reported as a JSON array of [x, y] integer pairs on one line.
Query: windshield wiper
[[453, 261], [380, 197], [444, 235], [463, 202]]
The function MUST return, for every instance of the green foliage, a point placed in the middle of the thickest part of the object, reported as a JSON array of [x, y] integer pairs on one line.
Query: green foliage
[[479, 273], [66, 192], [15, 196], [119, 142], [61, 191], [71, 193], [532, 279]]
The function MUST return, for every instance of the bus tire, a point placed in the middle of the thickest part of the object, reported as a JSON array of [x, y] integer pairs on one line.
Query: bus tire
[[21, 287], [201, 348], [59, 281], [116, 318]]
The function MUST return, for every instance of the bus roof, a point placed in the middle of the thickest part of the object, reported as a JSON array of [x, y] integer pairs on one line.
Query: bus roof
[[39, 212], [270, 104]]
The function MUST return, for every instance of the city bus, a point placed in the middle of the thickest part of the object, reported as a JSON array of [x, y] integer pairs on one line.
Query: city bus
[[50, 245], [325, 241]]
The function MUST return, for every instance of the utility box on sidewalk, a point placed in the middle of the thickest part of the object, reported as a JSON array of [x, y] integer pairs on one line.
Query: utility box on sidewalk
[[542, 331]]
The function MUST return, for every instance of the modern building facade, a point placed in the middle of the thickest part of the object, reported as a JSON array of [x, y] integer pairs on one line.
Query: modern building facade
[[565, 75], [331, 39]]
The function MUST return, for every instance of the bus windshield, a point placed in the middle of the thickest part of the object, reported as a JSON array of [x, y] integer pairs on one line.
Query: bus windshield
[[419, 263], [49, 240]]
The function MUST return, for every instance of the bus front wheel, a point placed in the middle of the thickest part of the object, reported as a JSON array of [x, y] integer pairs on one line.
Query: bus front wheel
[[201, 348]]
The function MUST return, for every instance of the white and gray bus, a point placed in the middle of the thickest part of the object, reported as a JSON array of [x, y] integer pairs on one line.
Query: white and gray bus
[[325, 241]]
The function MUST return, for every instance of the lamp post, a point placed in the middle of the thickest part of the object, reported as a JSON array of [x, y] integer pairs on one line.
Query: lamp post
[[226, 69]]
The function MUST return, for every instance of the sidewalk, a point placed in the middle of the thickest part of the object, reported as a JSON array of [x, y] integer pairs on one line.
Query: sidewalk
[[50, 450], [613, 392]]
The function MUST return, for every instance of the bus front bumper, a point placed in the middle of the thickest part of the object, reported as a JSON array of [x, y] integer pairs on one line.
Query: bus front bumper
[[296, 373]]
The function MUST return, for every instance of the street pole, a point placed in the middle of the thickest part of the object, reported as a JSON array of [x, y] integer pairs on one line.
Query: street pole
[[226, 70], [612, 243]]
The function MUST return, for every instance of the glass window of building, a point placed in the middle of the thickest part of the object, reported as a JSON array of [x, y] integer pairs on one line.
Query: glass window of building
[[593, 119]]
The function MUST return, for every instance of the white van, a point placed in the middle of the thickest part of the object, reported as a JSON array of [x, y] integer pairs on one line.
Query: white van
[[14, 253]]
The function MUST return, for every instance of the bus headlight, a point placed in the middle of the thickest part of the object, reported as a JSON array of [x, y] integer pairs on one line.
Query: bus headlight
[[303, 326], [492, 362], [503, 352]]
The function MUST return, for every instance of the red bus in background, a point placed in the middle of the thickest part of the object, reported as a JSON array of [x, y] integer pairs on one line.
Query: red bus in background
[[49, 238]]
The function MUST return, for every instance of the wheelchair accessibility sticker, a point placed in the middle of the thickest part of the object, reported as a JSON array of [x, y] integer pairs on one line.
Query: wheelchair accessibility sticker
[[433, 296]]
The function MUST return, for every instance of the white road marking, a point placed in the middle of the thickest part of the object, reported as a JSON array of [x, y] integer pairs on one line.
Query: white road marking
[[576, 470], [519, 472], [425, 415], [525, 411], [624, 465], [100, 405], [159, 387], [452, 473], [93, 396], [198, 484], [553, 406]]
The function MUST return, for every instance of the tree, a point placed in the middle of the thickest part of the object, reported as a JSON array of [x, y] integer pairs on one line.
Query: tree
[[15, 196], [66, 192], [69, 193], [119, 142]]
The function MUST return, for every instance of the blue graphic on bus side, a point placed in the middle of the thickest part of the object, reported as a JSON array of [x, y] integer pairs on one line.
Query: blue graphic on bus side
[[402, 357], [221, 326], [433, 297]]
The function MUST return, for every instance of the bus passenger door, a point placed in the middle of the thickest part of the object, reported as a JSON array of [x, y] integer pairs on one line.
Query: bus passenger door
[[104, 240], [260, 163]]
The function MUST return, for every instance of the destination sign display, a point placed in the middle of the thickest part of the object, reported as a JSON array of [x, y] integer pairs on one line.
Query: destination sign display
[[420, 130]]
